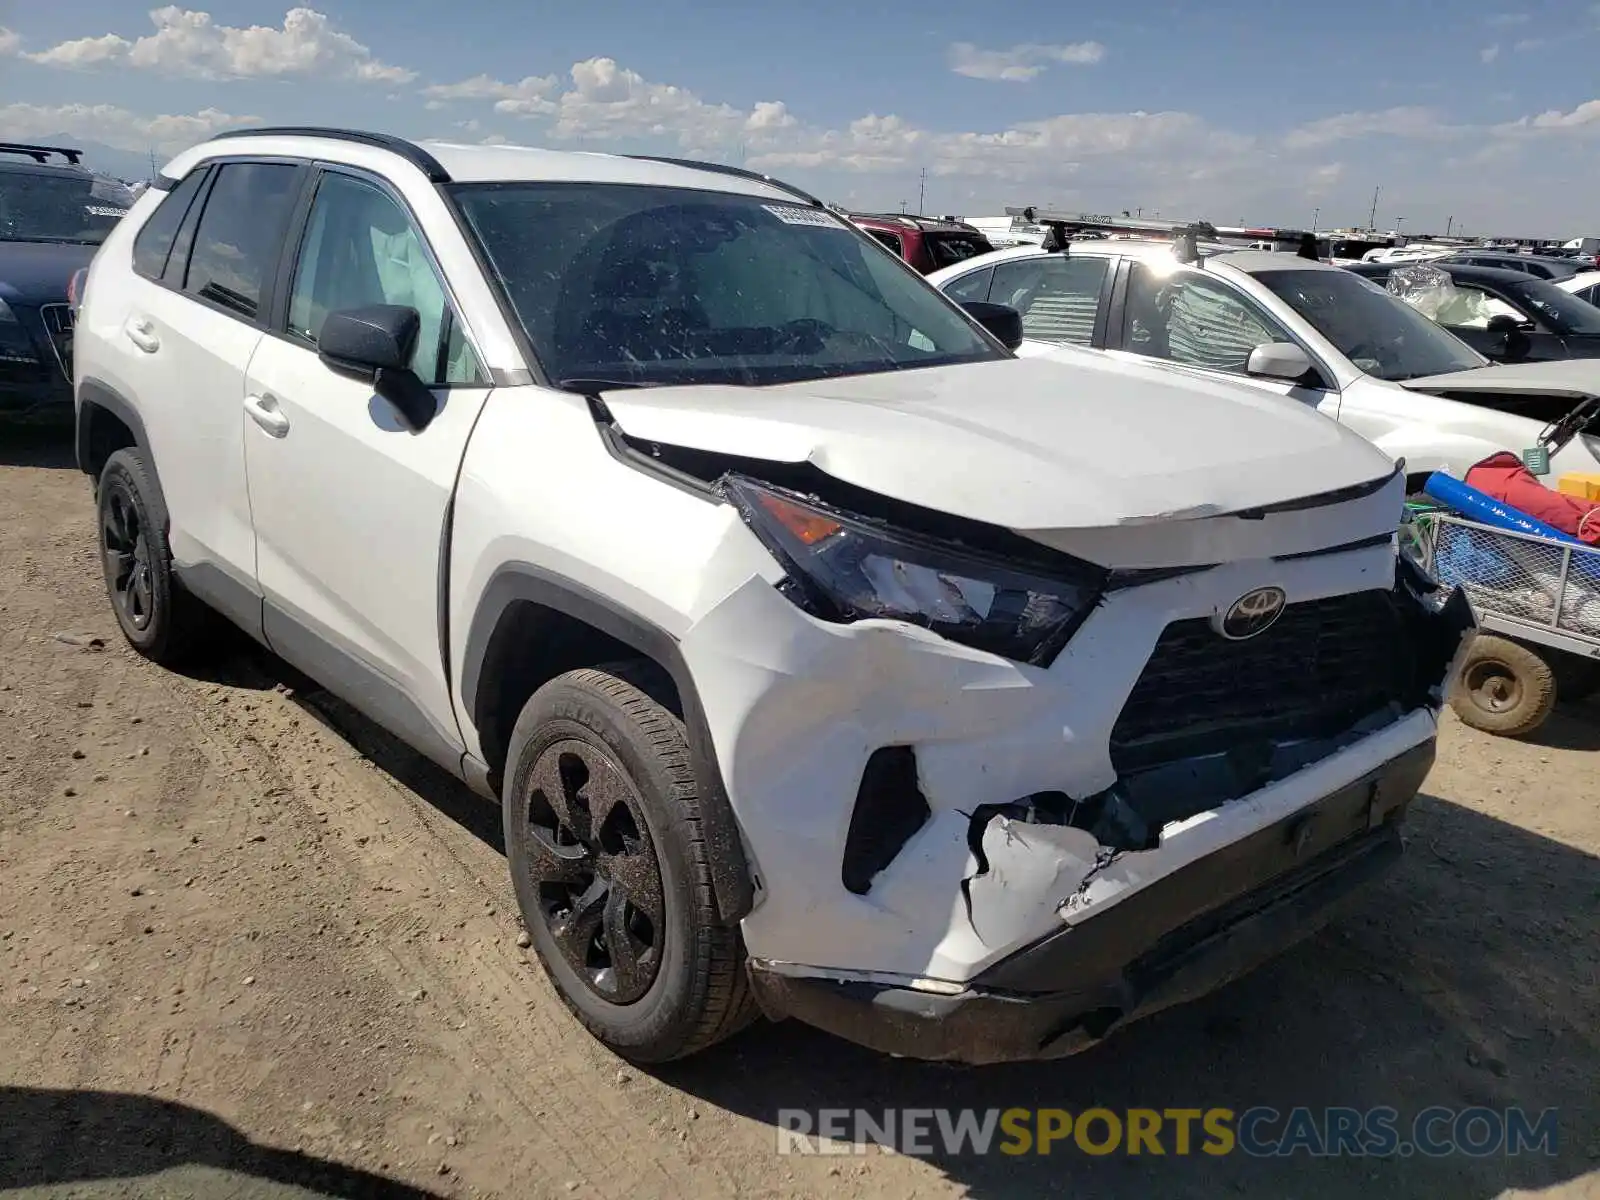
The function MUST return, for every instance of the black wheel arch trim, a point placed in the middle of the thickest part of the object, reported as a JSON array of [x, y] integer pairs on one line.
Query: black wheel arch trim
[[102, 395], [732, 880]]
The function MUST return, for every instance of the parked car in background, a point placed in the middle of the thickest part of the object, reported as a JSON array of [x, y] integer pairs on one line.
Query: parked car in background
[[1540, 266], [1306, 331], [927, 243], [1585, 285], [827, 660], [1510, 316], [54, 213]]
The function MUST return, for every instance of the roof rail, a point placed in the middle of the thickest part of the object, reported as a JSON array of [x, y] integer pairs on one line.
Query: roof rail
[[41, 154], [410, 151], [736, 172]]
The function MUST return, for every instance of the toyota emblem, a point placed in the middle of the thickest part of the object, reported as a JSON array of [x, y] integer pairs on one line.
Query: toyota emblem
[[1252, 613]]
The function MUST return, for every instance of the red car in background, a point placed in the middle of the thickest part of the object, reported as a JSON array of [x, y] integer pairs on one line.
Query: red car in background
[[927, 243]]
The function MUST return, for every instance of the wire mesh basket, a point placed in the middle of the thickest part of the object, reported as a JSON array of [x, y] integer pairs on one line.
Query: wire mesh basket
[[1533, 580]]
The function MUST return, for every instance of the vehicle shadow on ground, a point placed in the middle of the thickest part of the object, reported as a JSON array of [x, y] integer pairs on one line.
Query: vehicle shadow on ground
[[1574, 726], [1468, 978], [47, 445], [51, 1138]]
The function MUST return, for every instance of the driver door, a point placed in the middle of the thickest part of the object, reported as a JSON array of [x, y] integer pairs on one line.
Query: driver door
[[1202, 323], [350, 503]]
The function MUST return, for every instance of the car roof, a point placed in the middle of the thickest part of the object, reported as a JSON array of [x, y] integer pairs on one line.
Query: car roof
[[1578, 282], [456, 162], [894, 222]]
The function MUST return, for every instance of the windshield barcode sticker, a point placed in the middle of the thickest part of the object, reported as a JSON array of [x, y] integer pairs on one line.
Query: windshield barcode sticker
[[791, 215], [104, 210]]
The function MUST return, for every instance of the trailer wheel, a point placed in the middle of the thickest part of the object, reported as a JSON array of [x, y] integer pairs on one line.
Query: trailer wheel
[[1504, 687]]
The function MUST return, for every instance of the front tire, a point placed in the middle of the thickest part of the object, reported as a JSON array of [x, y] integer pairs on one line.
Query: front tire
[[608, 858], [158, 618]]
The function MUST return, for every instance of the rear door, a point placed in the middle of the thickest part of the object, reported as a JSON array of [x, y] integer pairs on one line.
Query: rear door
[[204, 272], [352, 505]]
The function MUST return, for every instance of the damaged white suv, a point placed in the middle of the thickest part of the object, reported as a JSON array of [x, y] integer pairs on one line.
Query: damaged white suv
[[828, 660]]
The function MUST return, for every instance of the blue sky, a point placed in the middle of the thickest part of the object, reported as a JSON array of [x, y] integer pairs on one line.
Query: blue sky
[[1261, 111]]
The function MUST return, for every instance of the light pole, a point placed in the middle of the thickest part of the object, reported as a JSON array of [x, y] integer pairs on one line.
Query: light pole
[[1315, 217]]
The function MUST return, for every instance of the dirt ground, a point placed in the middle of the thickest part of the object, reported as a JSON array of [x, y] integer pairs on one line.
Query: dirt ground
[[250, 947]]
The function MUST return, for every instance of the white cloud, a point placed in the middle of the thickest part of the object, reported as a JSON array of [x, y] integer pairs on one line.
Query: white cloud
[[1489, 53], [1506, 20], [1019, 63], [116, 127], [608, 101], [1586, 114], [1527, 44], [1403, 122], [187, 42], [527, 98], [9, 41]]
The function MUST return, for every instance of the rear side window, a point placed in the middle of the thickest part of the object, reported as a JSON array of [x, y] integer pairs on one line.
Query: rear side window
[[972, 286], [890, 240], [237, 242], [154, 242], [950, 249], [1058, 296]]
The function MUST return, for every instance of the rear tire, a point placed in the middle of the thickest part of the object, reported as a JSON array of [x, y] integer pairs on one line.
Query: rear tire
[[604, 835], [158, 617], [1504, 688]]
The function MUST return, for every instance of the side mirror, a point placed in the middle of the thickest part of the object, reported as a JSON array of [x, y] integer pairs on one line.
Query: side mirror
[[1001, 320], [1278, 360], [375, 344]]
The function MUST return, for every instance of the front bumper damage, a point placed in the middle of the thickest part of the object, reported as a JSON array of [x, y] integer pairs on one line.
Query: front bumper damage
[[1179, 938], [1050, 853]]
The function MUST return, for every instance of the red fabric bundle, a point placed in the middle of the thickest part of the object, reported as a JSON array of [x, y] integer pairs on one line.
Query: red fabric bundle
[[1504, 477]]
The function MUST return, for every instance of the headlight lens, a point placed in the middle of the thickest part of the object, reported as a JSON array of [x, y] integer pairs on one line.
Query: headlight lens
[[7, 317], [849, 568]]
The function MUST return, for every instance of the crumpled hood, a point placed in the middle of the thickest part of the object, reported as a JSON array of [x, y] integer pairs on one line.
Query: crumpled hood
[[1575, 377], [38, 272], [1025, 443]]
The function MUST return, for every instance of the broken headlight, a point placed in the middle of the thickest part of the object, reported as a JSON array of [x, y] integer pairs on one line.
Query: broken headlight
[[845, 567]]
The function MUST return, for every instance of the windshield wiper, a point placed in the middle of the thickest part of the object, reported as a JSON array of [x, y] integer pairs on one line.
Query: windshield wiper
[[589, 387]]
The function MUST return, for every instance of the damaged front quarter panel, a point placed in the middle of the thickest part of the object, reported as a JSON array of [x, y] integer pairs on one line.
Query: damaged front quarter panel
[[1440, 624]]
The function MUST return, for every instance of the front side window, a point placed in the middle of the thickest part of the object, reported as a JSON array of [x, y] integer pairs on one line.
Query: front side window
[[1058, 296], [646, 285], [240, 233], [1189, 317], [361, 249], [1379, 333], [59, 205]]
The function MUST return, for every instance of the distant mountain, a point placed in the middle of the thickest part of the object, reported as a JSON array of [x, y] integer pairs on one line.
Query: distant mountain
[[122, 164]]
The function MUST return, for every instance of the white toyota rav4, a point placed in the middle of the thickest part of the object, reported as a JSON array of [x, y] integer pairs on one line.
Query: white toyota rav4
[[828, 660]]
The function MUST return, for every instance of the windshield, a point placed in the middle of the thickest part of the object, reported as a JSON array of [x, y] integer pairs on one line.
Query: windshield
[[1380, 334], [59, 207], [648, 285], [1560, 309]]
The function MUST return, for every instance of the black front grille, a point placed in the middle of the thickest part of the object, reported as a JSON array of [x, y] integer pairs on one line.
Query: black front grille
[[1323, 666], [58, 319]]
